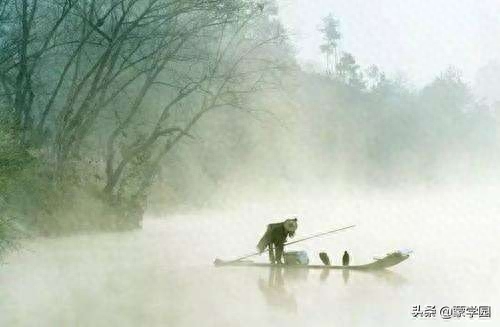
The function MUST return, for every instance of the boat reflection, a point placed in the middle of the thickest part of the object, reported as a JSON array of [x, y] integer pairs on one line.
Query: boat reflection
[[278, 295], [390, 277], [325, 274]]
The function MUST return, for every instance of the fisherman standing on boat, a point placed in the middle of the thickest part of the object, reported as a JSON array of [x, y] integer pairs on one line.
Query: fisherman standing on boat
[[275, 238]]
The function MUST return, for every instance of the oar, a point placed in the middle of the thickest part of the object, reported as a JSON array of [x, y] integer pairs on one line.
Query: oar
[[293, 242]]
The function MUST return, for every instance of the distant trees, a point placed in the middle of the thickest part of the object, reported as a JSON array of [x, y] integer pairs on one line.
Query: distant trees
[[374, 77], [449, 106], [369, 128], [331, 38], [339, 65], [349, 71]]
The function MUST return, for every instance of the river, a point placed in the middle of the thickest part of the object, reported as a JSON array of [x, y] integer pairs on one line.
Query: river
[[163, 274]]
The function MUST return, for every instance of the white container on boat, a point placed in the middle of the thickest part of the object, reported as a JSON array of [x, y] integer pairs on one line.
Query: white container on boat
[[296, 258]]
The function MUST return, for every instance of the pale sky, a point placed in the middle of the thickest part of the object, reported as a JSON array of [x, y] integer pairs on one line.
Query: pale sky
[[418, 38]]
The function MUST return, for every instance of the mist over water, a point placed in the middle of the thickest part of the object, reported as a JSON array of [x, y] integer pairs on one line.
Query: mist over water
[[163, 275], [132, 155]]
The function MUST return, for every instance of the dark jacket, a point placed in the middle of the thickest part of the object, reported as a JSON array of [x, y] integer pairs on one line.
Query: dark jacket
[[275, 234]]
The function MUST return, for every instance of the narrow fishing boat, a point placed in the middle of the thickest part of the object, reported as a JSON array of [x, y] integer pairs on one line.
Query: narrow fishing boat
[[300, 260], [391, 259]]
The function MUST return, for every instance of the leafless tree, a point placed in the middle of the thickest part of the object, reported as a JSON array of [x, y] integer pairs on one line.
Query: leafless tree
[[129, 79]]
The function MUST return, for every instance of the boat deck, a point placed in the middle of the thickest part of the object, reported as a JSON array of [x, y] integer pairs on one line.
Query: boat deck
[[389, 260]]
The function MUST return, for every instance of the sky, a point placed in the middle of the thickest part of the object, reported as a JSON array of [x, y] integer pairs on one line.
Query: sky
[[413, 38]]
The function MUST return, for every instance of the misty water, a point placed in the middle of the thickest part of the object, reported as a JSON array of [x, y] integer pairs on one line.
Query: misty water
[[163, 274]]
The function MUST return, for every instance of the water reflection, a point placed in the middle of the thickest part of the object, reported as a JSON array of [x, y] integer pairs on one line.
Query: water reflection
[[325, 274], [390, 277], [278, 294], [275, 292], [346, 273]]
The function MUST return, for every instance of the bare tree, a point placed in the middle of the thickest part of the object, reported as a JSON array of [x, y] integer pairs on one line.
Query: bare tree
[[23, 49], [217, 75], [127, 80]]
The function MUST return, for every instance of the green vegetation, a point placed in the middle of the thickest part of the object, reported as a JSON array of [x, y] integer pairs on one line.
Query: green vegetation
[[95, 94], [111, 106], [384, 132]]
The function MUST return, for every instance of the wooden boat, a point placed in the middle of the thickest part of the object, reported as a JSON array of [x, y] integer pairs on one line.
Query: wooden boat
[[391, 259]]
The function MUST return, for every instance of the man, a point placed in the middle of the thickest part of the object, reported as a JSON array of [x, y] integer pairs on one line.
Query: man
[[275, 238]]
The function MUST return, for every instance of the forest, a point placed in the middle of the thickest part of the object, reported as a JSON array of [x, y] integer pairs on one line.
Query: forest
[[115, 108]]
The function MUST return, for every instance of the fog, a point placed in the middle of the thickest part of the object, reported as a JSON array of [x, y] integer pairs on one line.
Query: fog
[[142, 140], [416, 39], [163, 274]]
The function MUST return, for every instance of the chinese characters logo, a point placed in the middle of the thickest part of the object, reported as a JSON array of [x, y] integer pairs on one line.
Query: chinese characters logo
[[453, 312]]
